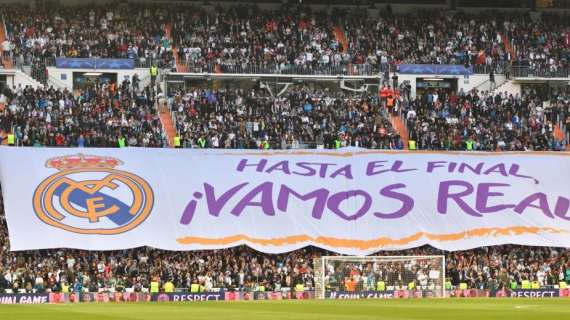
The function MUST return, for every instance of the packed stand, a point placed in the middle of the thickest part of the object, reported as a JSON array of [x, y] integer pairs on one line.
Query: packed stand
[[292, 39], [246, 38], [425, 37], [121, 31], [301, 118], [542, 46], [485, 121], [102, 115], [295, 36]]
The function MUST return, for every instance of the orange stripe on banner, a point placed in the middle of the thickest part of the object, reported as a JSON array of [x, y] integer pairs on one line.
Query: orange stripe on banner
[[369, 244], [369, 152]]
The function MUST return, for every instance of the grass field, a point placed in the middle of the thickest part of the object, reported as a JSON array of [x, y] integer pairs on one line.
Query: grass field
[[463, 309]]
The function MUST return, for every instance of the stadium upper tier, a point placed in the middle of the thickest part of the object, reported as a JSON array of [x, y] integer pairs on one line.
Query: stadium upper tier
[[135, 32], [293, 39]]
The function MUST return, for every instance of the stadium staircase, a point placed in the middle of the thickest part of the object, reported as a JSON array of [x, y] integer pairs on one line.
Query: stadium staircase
[[341, 38], [510, 87], [180, 67], [217, 84], [167, 124], [507, 44], [400, 126], [165, 115], [559, 134], [24, 72], [500, 80], [7, 62], [397, 121], [166, 118]]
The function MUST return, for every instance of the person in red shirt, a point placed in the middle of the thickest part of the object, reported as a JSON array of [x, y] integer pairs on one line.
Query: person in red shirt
[[59, 140]]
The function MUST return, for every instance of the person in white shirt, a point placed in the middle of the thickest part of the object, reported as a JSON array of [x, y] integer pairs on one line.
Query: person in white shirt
[[6, 48]]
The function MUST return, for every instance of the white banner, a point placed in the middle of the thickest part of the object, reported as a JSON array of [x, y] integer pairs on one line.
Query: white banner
[[350, 201]]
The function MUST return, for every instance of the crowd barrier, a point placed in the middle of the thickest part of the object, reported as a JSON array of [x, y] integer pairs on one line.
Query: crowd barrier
[[87, 63], [116, 297], [500, 67], [540, 72], [134, 297], [459, 293], [350, 69]]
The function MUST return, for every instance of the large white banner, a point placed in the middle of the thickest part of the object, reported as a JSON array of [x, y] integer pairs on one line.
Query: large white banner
[[351, 201]]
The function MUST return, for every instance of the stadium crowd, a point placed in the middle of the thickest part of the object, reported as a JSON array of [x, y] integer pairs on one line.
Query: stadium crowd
[[297, 37], [111, 115], [247, 38], [302, 118], [541, 45], [312, 118], [486, 268], [239, 37], [486, 121], [107, 115], [426, 38], [102, 115], [123, 31]]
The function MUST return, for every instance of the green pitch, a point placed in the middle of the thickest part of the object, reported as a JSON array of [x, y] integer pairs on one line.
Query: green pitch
[[462, 309]]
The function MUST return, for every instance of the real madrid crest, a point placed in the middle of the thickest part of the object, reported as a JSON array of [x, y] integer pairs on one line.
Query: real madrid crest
[[89, 196]]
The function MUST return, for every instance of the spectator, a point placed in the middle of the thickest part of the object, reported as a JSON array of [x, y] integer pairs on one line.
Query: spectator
[[484, 121], [99, 117], [304, 118]]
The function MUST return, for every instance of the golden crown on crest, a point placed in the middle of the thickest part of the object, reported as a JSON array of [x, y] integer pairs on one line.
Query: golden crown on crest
[[79, 161]]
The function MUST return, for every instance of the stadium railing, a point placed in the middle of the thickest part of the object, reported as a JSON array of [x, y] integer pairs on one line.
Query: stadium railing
[[270, 68], [316, 69], [540, 72], [350, 69], [497, 68], [18, 62], [23, 61]]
